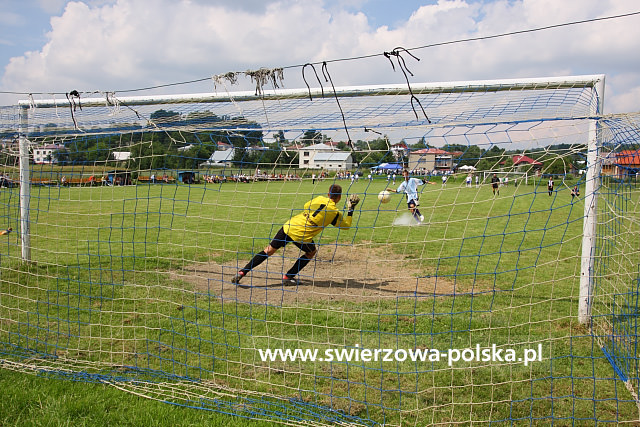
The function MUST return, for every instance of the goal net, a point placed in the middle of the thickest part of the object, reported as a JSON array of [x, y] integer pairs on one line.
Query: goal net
[[127, 218]]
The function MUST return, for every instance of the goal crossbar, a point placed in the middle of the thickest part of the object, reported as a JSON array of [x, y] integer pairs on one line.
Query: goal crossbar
[[346, 91]]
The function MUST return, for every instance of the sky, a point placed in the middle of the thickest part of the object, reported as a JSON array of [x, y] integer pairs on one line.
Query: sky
[[56, 46]]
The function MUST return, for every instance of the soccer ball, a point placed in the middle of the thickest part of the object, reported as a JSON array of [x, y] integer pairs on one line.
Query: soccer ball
[[384, 196]]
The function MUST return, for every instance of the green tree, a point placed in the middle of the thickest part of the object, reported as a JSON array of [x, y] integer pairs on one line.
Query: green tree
[[491, 159], [470, 155], [311, 137], [557, 166], [420, 144], [164, 118], [372, 153], [342, 146], [280, 138]]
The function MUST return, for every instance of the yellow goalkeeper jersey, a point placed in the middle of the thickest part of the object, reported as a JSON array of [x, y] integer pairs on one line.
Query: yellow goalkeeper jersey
[[317, 214]]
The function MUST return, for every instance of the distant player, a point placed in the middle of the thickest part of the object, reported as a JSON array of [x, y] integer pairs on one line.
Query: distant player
[[301, 229], [410, 187], [550, 186], [495, 184], [575, 191]]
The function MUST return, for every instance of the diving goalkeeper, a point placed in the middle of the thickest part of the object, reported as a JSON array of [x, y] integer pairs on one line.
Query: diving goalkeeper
[[302, 228]]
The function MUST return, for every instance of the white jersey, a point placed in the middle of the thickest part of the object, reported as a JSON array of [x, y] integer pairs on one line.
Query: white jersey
[[410, 188]]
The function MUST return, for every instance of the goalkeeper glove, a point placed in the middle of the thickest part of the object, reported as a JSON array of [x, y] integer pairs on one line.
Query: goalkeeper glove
[[352, 202]]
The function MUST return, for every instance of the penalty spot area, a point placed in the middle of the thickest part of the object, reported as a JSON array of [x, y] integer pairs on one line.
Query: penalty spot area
[[406, 220]]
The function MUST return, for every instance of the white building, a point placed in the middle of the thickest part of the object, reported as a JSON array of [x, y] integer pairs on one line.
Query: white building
[[121, 156], [337, 160], [45, 154], [323, 156], [220, 158]]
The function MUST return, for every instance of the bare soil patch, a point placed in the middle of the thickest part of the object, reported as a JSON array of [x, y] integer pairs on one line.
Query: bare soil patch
[[337, 274]]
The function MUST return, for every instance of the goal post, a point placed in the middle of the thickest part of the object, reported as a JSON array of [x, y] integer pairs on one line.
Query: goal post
[[594, 167], [25, 187]]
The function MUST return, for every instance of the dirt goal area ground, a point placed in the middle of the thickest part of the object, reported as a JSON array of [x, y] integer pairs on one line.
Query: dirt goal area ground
[[338, 273]]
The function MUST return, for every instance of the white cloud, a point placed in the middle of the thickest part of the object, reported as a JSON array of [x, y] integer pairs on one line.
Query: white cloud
[[106, 45], [626, 101]]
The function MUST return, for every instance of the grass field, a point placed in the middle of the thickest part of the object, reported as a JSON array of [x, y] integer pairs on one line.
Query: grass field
[[110, 295], [28, 400]]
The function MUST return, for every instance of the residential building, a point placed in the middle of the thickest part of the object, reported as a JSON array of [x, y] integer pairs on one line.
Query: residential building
[[608, 163], [524, 163], [45, 155], [220, 158], [430, 159], [121, 156], [399, 150], [627, 163], [337, 160], [324, 156]]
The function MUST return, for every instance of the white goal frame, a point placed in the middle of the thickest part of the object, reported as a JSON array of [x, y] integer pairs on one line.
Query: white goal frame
[[595, 82]]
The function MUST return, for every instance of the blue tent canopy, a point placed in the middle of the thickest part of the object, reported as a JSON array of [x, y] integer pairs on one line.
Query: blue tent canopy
[[389, 166]]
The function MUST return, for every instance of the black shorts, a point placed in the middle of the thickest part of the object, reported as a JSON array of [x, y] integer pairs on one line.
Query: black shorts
[[281, 239]]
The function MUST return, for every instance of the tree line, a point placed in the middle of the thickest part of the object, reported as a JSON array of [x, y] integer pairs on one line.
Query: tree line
[[175, 141]]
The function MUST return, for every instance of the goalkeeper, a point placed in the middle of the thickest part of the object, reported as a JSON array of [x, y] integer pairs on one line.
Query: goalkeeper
[[302, 228]]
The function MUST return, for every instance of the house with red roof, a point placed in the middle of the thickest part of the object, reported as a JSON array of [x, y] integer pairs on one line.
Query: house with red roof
[[430, 159], [608, 163], [627, 162], [224, 146], [526, 163], [399, 150]]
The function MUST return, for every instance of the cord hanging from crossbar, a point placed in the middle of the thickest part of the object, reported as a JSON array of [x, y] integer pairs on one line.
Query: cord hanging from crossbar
[[112, 103], [318, 78], [327, 77], [397, 52], [71, 97]]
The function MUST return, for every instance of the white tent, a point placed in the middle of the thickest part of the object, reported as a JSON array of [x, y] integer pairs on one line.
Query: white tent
[[466, 168]]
